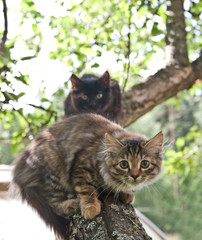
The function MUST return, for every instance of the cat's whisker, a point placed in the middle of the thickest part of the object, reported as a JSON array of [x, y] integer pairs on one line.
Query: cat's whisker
[[116, 196], [96, 190], [149, 191], [112, 189], [155, 189], [161, 190]]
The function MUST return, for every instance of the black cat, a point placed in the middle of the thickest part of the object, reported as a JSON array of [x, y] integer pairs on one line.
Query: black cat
[[94, 94]]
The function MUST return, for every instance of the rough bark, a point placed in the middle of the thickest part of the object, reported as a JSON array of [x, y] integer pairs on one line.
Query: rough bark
[[156, 89], [176, 46], [116, 222]]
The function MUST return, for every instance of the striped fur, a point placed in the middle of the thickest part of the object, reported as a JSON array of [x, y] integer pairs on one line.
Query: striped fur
[[77, 162]]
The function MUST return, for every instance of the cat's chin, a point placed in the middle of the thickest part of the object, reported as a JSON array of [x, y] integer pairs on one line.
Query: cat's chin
[[132, 187], [124, 186]]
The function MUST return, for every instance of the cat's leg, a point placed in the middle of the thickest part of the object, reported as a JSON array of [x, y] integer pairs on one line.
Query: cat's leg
[[121, 197], [67, 208], [89, 203], [64, 208], [126, 197]]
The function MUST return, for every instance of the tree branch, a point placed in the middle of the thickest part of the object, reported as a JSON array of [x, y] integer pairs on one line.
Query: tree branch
[[4, 38], [176, 46], [163, 85], [166, 83], [128, 46], [114, 222]]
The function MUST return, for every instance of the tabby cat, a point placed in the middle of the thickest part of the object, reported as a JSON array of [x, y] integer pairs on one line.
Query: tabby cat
[[94, 94], [88, 157]]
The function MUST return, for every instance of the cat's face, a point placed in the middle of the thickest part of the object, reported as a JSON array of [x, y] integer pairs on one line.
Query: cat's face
[[132, 163], [90, 93]]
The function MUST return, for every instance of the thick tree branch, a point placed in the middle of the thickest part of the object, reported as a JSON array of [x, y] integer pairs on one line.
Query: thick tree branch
[[178, 75], [176, 46], [165, 84], [115, 222]]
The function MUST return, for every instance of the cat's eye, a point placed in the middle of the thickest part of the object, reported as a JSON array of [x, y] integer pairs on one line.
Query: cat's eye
[[99, 96], [124, 164], [145, 164], [84, 97]]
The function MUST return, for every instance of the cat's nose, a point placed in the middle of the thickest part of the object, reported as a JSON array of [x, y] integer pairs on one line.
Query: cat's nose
[[92, 104], [135, 176]]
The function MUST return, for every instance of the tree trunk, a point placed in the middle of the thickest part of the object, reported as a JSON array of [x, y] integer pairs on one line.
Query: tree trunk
[[116, 222], [179, 74]]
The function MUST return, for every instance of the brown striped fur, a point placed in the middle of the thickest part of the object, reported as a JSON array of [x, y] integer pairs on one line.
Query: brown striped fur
[[83, 156]]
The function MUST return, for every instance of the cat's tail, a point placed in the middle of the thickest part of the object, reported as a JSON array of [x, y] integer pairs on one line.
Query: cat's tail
[[37, 202]]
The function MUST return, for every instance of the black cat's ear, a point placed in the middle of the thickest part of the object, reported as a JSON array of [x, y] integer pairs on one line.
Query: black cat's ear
[[155, 144], [105, 80], [76, 82], [112, 141]]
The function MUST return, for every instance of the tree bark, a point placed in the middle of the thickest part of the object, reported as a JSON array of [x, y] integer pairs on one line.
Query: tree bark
[[176, 45], [178, 75], [116, 222], [156, 89]]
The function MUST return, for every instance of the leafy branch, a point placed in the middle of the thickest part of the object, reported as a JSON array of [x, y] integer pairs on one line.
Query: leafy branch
[[51, 112]]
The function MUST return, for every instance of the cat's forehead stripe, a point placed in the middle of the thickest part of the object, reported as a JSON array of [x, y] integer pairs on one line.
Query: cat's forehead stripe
[[133, 146]]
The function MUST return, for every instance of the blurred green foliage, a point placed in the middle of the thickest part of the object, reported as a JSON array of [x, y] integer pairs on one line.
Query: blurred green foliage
[[135, 32]]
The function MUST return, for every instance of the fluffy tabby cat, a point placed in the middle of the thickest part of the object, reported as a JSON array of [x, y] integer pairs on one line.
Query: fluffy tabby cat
[[94, 94], [88, 157]]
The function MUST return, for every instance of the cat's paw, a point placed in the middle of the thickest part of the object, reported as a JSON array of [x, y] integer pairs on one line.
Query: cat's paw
[[73, 206], [126, 197], [91, 210]]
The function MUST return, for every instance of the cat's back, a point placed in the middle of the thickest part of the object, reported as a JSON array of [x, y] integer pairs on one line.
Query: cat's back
[[58, 144], [81, 126], [77, 130]]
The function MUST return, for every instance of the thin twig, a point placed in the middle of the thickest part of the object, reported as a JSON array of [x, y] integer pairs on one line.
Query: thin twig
[[52, 113], [42, 108], [4, 38], [39, 107]]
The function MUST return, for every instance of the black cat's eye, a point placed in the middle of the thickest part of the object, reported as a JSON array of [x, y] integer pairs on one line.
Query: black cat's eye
[[84, 97], [99, 96], [145, 164], [124, 164]]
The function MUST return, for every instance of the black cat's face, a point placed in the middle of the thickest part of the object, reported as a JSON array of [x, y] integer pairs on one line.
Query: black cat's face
[[90, 93]]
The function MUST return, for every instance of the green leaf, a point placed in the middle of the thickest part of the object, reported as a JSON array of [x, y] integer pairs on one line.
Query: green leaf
[[22, 78], [95, 65], [180, 143], [27, 58], [155, 30]]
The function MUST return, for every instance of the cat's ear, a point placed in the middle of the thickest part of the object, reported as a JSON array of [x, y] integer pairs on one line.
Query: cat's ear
[[105, 80], [76, 82], [155, 144], [112, 141]]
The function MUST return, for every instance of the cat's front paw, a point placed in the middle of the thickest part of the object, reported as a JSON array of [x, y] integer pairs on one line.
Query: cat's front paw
[[126, 197], [91, 210]]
